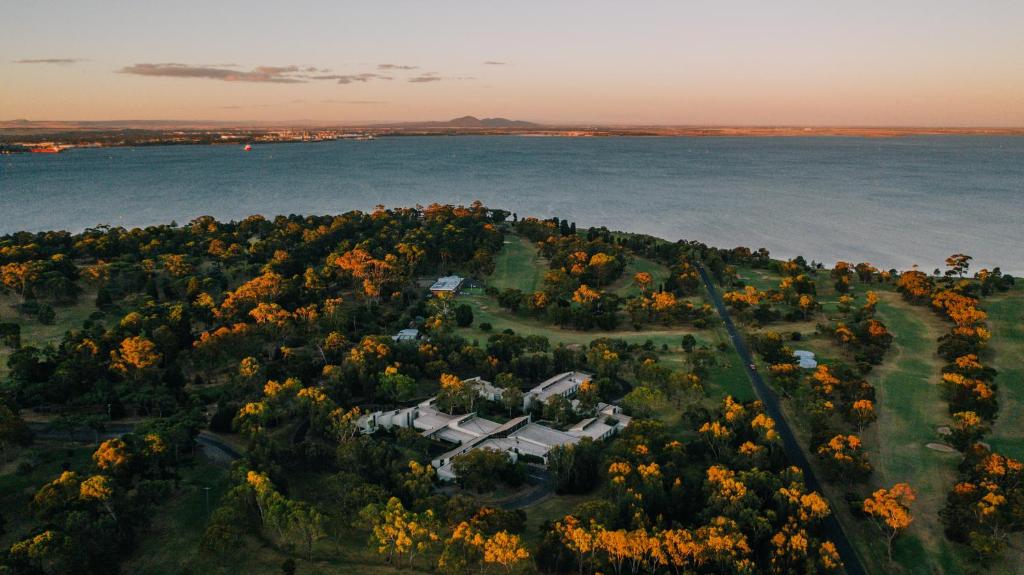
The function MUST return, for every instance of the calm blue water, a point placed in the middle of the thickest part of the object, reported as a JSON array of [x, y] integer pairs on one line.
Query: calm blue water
[[894, 202]]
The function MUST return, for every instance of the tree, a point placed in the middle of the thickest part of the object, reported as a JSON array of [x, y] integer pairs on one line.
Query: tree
[[463, 315], [482, 469], [889, 509], [558, 409], [512, 399], [643, 401], [307, 523], [688, 343], [399, 532], [505, 549], [13, 431]]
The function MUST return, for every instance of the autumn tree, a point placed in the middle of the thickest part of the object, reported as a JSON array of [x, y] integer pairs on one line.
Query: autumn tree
[[398, 532], [889, 509]]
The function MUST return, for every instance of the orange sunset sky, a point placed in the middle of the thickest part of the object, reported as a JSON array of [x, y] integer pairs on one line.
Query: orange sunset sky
[[905, 63]]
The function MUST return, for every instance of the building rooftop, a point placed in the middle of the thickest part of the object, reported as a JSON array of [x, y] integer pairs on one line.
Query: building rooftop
[[560, 384], [447, 283], [409, 334], [806, 359]]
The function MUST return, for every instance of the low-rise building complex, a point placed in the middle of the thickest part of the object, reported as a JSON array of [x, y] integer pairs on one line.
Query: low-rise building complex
[[517, 437]]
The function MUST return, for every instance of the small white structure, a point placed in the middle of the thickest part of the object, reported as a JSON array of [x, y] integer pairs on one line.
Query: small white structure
[[410, 334], [447, 284], [806, 359], [564, 384]]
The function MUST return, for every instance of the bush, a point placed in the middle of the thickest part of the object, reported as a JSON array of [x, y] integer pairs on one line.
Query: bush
[[46, 315], [485, 326], [464, 316]]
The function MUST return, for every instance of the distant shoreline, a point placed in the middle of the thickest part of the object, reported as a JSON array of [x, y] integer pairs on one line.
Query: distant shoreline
[[21, 137]]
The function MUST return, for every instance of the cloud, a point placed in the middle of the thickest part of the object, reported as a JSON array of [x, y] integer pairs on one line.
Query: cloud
[[350, 78], [494, 63], [49, 61], [355, 102], [433, 77], [264, 74], [425, 78], [396, 67]]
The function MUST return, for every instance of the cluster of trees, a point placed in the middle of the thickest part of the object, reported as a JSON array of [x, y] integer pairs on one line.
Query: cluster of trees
[[724, 503], [86, 523], [866, 337], [983, 507]]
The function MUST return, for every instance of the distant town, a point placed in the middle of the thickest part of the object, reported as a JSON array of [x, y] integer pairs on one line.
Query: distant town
[[25, 136]]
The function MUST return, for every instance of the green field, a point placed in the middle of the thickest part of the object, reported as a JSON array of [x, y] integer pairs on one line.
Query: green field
[[37, 334], [910, 409], [1006, 354], [518, 266], [624, 286]]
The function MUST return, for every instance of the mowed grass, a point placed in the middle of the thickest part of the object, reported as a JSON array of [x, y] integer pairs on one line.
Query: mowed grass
[[1006, 354], [624, 286], [37, 334], [910, 408], [518, 266]]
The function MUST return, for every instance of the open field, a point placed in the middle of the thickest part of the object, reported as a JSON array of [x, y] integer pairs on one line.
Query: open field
[[910, 409], [518, 266], [624, 287], [1006, 354], [37, 334]]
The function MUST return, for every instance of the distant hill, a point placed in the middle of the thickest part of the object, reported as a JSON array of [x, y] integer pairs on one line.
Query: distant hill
[[474, 122]]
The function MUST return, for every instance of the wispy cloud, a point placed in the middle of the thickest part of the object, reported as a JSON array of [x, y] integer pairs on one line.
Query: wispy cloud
[[264, 74], [433, 77], [396, 67], [350, 78], [61, 61], [355, 102], [494, 63]]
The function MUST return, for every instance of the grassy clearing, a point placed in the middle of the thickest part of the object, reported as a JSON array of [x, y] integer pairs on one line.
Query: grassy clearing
[[910, 408], [1006, 354], [518, 266], [486, 310], [37, 334], [761, 279], [624, 285]]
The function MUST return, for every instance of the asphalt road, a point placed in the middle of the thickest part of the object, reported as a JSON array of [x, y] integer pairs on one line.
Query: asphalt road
[[218, 451], [772, 406]]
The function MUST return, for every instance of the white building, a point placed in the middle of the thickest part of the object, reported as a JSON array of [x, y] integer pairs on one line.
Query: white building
[[446, 284], [410, 334], [564, 384]]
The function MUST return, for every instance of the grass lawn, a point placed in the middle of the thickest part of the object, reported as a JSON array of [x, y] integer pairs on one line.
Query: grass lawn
[[518, 266], [624, 286], [1006, 354], [35, 333], [760, 278], [910, 408]]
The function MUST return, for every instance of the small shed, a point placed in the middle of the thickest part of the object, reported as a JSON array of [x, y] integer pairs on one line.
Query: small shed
[[805, 358]]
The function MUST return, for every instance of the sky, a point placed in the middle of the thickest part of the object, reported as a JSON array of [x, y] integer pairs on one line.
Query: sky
[[681, 62]]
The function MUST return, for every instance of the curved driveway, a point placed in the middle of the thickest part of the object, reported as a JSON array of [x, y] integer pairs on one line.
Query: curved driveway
[[773, 408]]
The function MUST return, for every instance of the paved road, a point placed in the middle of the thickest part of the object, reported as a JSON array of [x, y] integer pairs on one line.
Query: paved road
[[541, 481], [213, 447], [772, 406]]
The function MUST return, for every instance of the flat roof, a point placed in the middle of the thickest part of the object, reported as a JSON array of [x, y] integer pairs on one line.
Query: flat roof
[[543, 435], [447, 283], [559, 384]]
